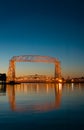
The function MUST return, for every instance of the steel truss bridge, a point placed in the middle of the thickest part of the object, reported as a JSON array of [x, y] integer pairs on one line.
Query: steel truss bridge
[[32, 58]]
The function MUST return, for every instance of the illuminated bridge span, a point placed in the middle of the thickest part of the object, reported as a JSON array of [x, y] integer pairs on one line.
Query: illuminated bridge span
[[32, 58]]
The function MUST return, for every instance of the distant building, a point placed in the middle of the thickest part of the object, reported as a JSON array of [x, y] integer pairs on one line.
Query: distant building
[[81, 80]]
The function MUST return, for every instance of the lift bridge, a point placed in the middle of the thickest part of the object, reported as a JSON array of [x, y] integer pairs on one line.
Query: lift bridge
[[11, 76]]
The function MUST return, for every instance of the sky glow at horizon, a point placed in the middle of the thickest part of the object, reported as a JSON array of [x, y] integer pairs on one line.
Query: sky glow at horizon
[[43, 27], [33, 68]]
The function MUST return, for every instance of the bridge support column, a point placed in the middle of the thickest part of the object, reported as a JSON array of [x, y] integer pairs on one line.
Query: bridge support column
[[11, 71], [57, 70]]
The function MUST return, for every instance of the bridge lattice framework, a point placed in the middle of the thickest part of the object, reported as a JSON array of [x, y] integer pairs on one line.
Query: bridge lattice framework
[[32, 58]]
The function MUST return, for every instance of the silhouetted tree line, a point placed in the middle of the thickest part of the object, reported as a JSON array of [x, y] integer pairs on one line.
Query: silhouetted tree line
[[3, 77]]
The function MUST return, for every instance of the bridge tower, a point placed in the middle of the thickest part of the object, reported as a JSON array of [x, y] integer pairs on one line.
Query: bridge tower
[[57, 70], [11, 71]]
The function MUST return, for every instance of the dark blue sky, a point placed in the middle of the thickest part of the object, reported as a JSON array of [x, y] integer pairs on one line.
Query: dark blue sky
[[43, 27]]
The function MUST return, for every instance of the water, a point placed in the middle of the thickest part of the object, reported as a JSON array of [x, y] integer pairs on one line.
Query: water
[[36, 106]]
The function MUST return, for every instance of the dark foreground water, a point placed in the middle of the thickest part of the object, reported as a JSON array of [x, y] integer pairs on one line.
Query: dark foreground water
[[37, 106]]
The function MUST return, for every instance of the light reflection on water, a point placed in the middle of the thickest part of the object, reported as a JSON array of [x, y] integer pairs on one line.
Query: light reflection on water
[[43, 105], [36, 97]]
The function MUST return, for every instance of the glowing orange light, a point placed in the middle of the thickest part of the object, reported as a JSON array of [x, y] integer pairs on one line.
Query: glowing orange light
[[60, 80]]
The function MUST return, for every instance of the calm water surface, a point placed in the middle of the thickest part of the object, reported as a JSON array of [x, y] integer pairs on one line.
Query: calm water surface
[[36, 106]]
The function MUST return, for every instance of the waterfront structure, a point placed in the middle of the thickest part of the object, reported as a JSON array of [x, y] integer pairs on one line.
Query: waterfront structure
[[32, 58]]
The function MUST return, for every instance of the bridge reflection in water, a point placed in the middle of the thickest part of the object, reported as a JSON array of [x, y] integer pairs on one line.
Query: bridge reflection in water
[[34, 96]]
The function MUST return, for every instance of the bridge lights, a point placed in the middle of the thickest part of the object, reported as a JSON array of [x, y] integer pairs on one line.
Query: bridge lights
[[60, 80]]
